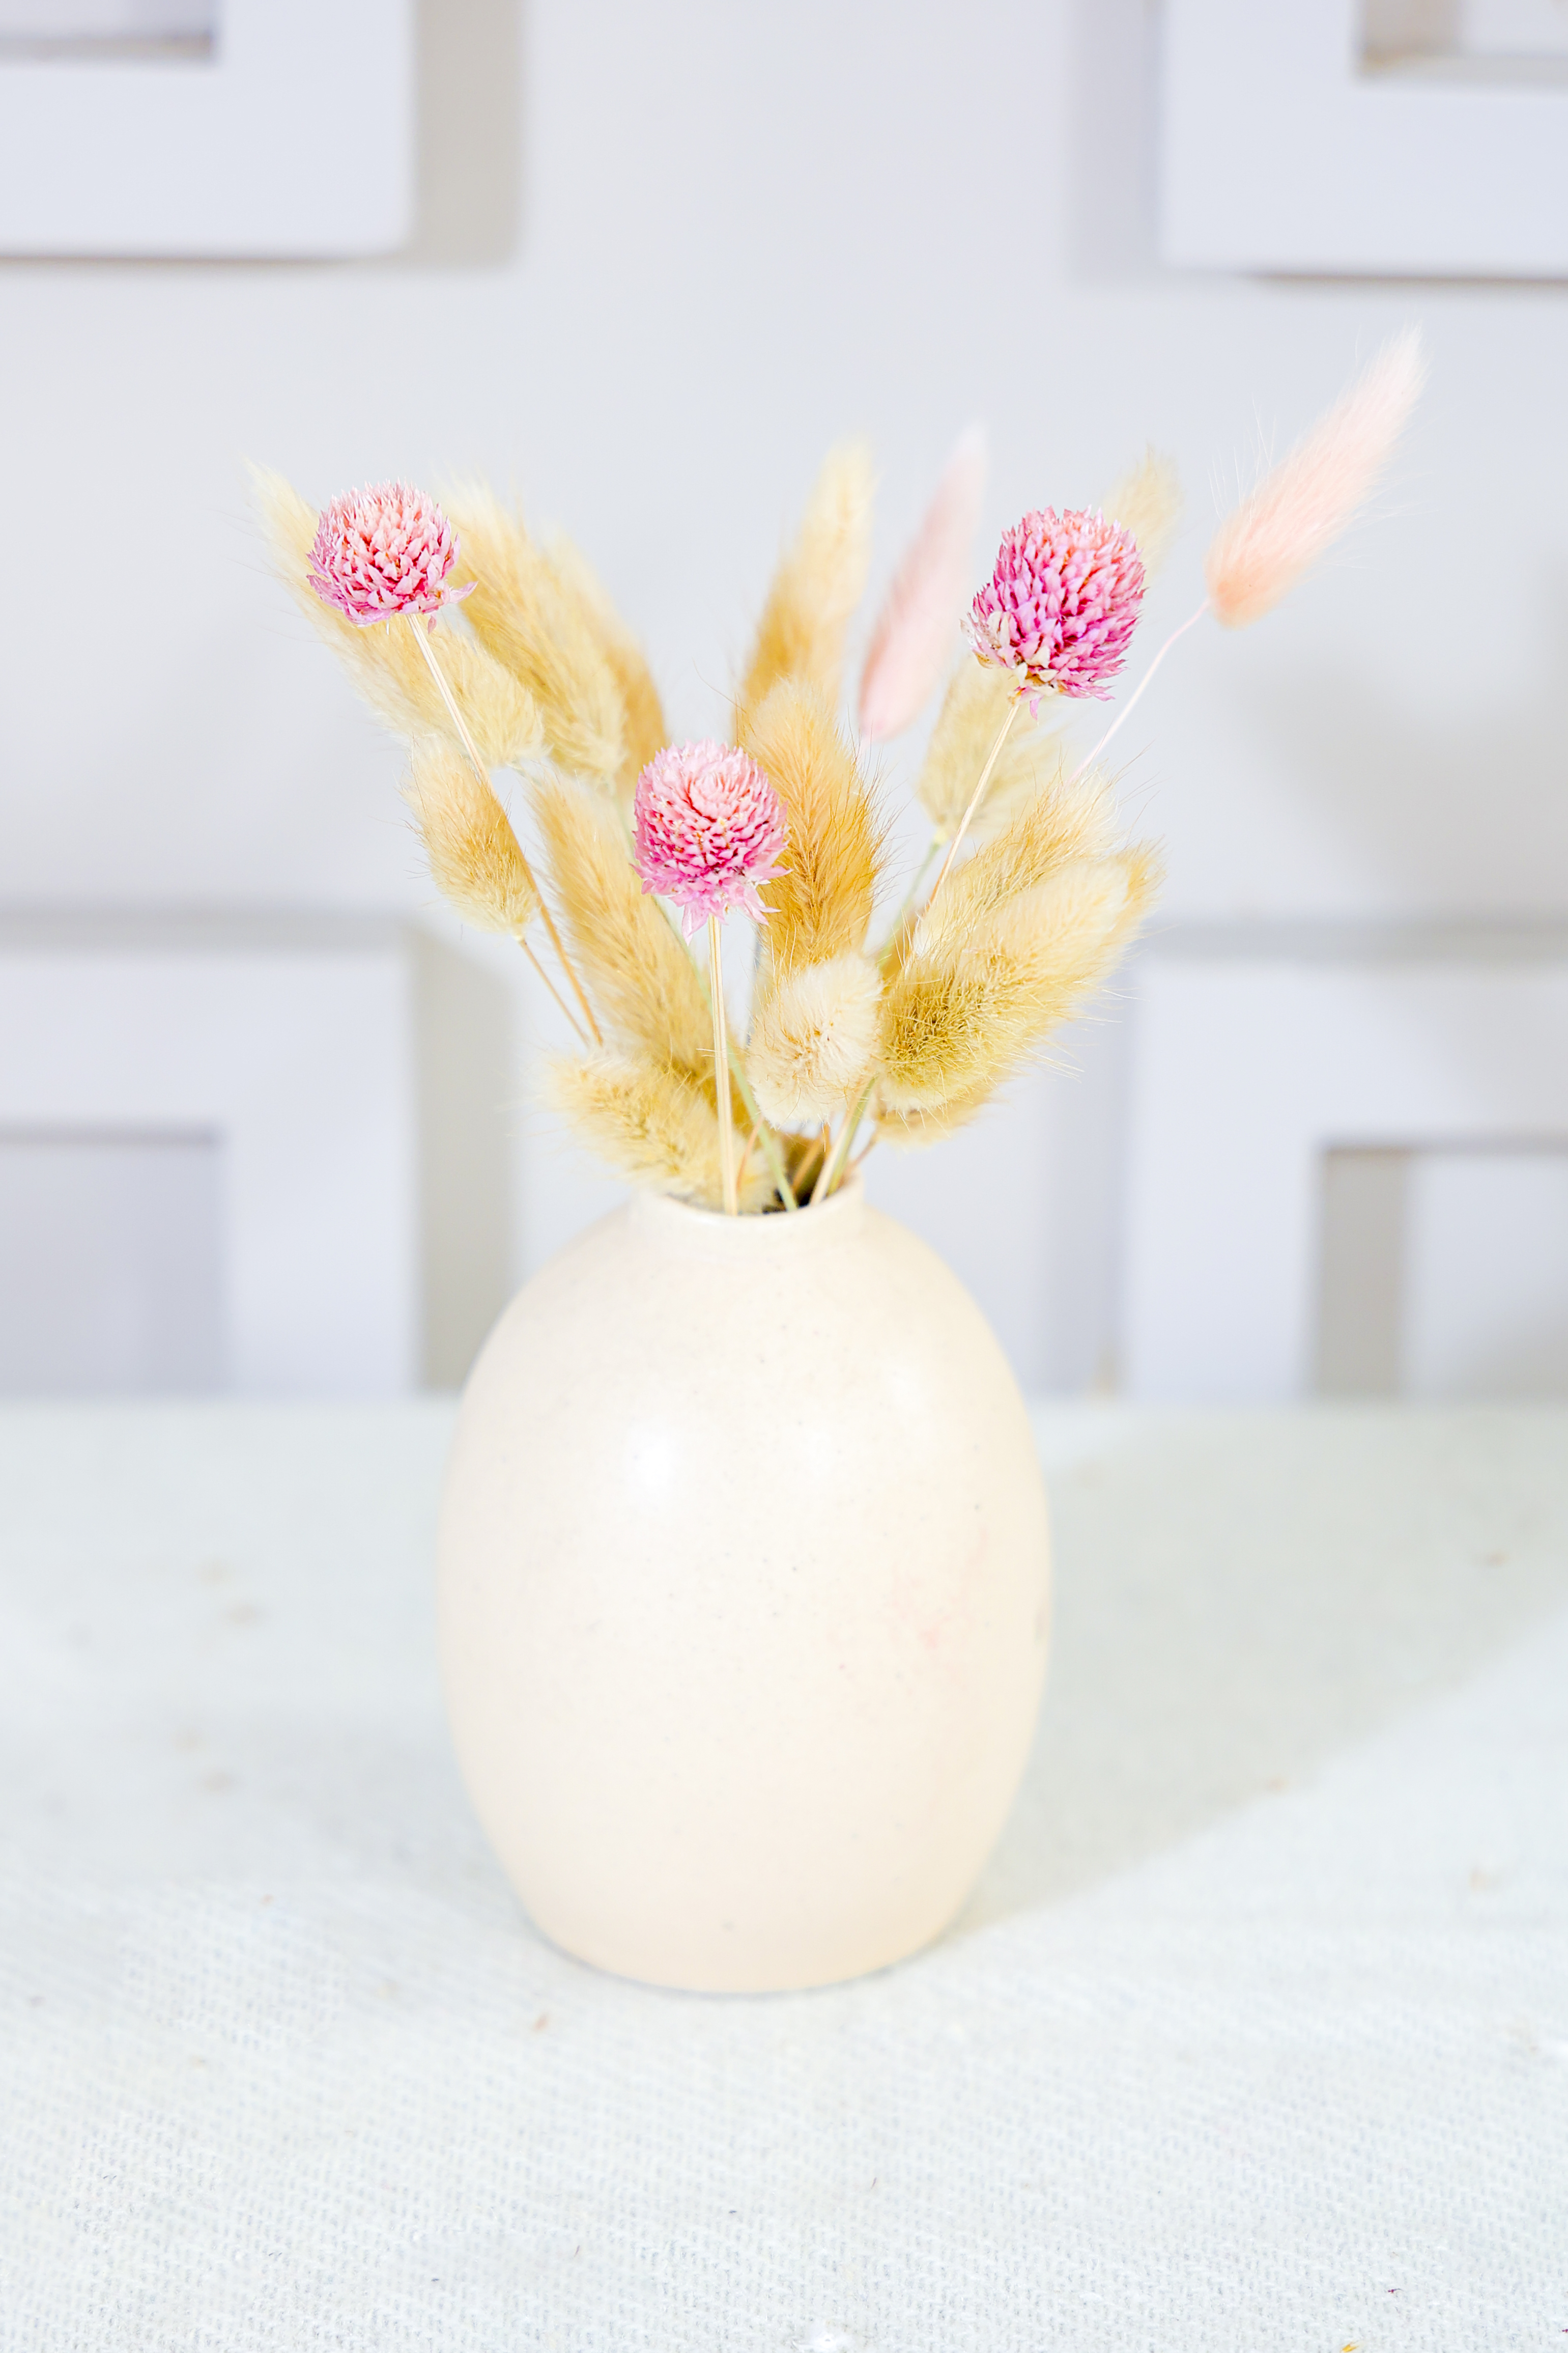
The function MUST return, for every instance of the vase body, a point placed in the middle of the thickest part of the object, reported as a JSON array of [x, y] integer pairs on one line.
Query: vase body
[[742, 1594]]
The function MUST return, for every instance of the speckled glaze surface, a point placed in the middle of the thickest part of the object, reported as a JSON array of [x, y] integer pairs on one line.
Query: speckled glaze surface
[[744, 1594]]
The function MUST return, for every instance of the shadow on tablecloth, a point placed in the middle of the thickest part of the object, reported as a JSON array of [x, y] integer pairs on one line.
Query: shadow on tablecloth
[[1228, 1616]]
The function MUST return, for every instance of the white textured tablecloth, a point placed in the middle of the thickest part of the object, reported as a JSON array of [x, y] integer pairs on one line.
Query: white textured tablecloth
[[1256, 2036]]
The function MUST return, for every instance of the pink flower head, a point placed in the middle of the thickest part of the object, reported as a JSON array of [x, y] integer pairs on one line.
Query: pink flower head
[[384, 551], [710, 827], [1062, 603]]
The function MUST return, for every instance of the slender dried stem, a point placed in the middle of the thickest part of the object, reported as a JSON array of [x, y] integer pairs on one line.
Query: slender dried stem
[[567, 968], [422, 639], [1126, 710], [722, 1071], [975, 799], [772, 1152], [809, 1167], [577, 1029], [916, 879], [832, 1173]]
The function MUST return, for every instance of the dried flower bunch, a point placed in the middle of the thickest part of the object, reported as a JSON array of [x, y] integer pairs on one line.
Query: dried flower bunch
[[901, 1024]]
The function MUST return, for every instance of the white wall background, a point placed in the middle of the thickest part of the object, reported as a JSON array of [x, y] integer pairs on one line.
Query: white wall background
[[667, 255]]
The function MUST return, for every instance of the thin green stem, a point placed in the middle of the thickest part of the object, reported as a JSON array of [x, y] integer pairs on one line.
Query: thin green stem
[[834, 1170], [772, 1150]]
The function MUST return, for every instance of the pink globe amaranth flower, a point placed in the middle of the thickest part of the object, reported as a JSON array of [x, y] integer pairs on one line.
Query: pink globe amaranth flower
[[1062, 603], [384, 551], [710, 827]]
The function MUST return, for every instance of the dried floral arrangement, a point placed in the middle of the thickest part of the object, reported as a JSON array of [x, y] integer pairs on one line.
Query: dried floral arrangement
[[897, 1025]]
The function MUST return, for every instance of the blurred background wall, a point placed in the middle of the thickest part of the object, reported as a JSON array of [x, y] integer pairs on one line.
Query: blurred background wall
[[662, 259]]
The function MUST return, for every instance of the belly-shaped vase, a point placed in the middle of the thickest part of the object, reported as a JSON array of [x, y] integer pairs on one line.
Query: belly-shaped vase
[[744, 1594]]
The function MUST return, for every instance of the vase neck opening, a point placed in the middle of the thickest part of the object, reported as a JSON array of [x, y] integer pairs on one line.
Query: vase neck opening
[[681, 1225]]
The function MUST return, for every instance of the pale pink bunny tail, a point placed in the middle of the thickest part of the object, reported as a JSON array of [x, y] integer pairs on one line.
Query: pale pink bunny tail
[[1264, 546], [912, 642]]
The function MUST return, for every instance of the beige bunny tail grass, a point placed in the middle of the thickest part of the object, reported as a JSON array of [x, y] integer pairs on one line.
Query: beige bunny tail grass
[[1147, 502], [1264, 546], [958, 1019], [385, 663], [655, 1125], [821, 904], [642, 712], [641, 978], [1059, 823], [474, 857], [531, 617], [816, 589], [814, 1039], [908, 1131], [972, 713]]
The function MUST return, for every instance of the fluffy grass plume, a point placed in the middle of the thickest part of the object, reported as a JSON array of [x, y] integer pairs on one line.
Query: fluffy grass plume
[[641, 711], [913, 1129], [918, 626], [821, 904], [473, 853], [654, 1123], [529, 615], [1147, 502], [1059, 823], [816, 589], [961, 1015], [814, 1039], [641, 977], [973, 710], [1264, 546], [386, 664]]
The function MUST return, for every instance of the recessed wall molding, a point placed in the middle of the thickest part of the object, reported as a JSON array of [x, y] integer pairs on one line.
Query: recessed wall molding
[[261, 128], [1263, 1058], [343, 1072], [1383, 138]]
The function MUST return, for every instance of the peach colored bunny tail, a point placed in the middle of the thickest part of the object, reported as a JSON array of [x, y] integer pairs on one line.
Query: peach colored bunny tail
[[916, 630], [1264, 546]]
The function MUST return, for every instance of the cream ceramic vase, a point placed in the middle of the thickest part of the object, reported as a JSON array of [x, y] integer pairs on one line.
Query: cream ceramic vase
[[743, 1589]]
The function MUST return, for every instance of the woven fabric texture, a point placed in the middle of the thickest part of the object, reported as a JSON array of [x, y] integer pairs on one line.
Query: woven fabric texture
[[1256, 2036]]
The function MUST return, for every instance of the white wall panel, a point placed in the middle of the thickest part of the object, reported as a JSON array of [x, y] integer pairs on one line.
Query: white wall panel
[[301, 1062], [268, 127], [1255, 1059], [887, 222]]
